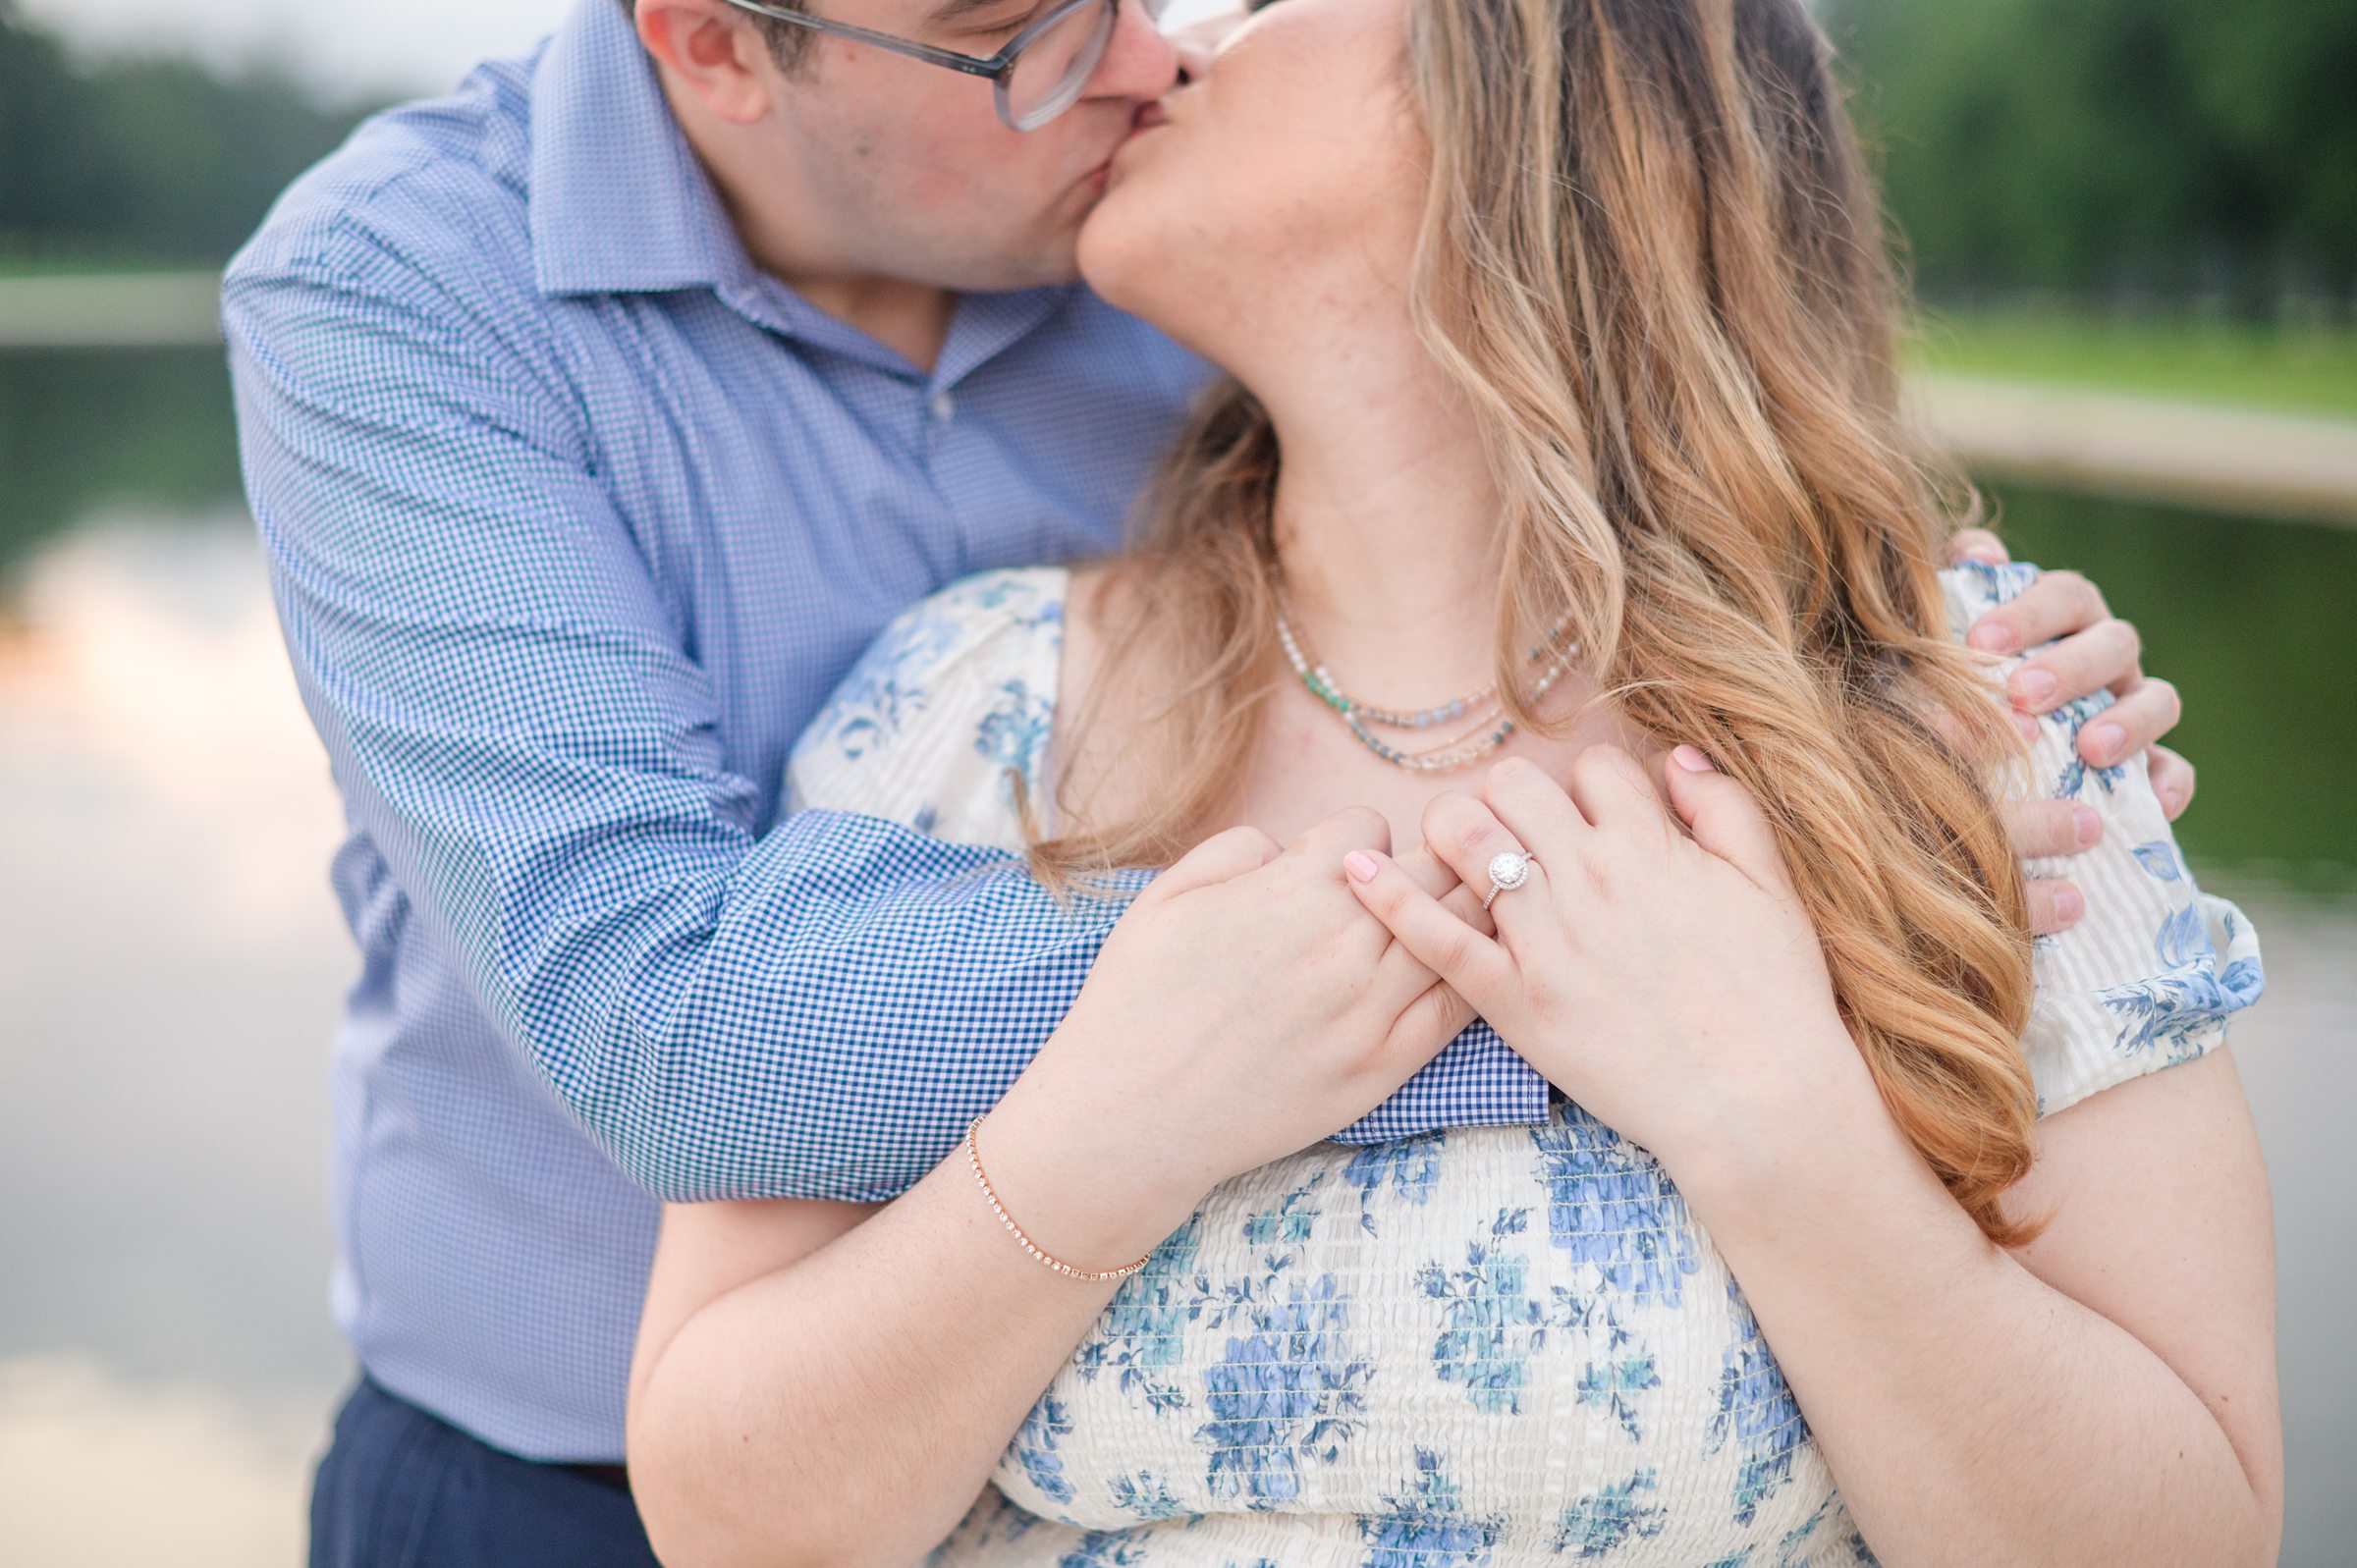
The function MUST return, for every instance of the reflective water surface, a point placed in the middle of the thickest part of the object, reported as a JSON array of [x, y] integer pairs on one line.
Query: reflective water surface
[[170, 961]]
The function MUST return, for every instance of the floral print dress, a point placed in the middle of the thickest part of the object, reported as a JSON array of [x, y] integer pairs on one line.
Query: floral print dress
[[1487, 1345]]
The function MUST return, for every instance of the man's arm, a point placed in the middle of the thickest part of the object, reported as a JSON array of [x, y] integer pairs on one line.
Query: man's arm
[[517, 727]]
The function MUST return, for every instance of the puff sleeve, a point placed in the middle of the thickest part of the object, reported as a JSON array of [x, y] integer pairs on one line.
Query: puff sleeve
[[2150, 975], [950, 703]]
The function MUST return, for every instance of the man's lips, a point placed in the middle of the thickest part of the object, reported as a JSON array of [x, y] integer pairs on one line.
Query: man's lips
[[1149, 115]]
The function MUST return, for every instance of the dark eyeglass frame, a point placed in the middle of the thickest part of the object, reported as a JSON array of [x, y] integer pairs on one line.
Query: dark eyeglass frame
[[997, 69]]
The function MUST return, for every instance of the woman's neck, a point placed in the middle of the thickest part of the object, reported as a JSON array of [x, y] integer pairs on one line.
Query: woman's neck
[[1389, 540], [1385, 518]]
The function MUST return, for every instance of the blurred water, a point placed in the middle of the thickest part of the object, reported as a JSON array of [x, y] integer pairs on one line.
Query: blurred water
[[170, 961]]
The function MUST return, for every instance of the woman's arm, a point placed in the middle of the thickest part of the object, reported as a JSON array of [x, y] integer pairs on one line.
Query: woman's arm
[[815, 1387], [811, 1388], [2106, 1396]]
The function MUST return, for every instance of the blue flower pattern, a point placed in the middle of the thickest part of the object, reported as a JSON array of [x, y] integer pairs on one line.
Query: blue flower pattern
[[1427, 1526], [1603, 1521], [1490, 1324], [1613, 1382], [2172, 1009], [1406, 1169], [1492, 1347], [1034, 1447], [1140, 1340], [1757, 1412], [910, 671], [1613, 1206], [1286, 1389]]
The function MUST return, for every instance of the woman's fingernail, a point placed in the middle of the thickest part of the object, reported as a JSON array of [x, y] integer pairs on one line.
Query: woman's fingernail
[[2069, 904], [2172, 801], [1991, 636], [1693, 760], [2026, 725], [2105, 743], [2089, 826], [2034, 687], [1362, 867]]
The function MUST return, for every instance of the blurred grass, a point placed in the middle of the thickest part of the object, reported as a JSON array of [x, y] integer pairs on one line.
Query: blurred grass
[[82, 431], [2256, 622], [2287, 369]]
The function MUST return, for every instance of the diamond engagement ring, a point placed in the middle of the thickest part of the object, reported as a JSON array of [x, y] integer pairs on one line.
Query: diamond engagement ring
[[1509, 870]]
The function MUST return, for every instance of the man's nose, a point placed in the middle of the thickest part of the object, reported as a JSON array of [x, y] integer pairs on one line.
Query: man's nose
[[1139, 62]]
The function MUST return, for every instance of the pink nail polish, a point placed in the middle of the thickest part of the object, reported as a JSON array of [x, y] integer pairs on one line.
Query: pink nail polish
[[2068, 905], [1362, 867], [1693, 760], [2106, 742], [2089, 826], [2034, 687], [2026, 725], [1991, 636]]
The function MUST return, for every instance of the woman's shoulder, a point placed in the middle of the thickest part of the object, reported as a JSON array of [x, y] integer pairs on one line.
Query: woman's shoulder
[[2151, 971], [953, 700]]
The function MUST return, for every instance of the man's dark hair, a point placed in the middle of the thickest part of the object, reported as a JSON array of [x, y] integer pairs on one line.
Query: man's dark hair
[[787, 43]]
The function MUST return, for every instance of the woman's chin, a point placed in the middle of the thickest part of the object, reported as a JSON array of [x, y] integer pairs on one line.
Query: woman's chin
[[1114, 251], [1139, 252]]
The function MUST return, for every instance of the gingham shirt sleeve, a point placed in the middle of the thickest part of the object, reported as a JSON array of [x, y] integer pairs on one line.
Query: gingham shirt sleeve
[[517, 730]]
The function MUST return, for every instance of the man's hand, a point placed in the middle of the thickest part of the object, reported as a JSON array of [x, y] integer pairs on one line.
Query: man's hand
[[2098, 651]]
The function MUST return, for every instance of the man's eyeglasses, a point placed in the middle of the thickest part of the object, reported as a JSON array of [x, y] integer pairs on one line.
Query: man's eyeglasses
[[1038, 74]]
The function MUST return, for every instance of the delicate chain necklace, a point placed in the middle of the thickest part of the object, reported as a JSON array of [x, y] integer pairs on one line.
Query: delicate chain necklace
[[1489, 731]]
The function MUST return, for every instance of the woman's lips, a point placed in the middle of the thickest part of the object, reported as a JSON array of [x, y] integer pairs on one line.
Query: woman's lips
[[1149, 115]]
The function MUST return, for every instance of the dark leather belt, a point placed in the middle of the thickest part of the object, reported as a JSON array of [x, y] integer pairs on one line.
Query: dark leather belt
[[614, 1476]]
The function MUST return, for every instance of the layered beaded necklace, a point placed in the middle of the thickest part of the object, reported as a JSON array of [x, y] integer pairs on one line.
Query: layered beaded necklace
[[1485, 707]]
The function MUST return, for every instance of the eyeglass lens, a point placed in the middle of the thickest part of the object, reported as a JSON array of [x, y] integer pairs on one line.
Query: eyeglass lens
[[1054, 67]]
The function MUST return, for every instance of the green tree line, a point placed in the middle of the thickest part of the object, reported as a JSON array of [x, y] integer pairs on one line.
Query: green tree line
[[152, 160], [2174, 148]]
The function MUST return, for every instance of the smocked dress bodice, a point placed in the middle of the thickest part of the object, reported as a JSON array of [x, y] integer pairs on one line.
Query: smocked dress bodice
[[1500, 1345]]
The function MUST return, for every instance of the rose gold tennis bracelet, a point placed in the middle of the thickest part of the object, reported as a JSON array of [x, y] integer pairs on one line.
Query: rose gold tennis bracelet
[[973, 1158]]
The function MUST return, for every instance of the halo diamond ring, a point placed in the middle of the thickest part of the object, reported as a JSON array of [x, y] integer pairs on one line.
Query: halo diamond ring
[[1509, 870]]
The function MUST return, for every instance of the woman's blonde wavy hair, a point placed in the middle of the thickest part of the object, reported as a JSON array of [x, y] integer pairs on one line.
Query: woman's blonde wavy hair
[[1651, 259]]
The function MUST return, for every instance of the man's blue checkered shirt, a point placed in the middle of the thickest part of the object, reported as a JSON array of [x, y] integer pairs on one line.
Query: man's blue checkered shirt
[[573, 519]]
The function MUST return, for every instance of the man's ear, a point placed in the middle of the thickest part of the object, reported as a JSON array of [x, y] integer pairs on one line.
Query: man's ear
[[713, 50]]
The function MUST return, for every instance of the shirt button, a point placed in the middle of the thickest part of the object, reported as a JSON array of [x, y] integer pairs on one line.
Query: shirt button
[[943, 405]]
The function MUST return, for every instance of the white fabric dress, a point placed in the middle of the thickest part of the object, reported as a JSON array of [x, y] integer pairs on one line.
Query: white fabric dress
[[1487, 1345]]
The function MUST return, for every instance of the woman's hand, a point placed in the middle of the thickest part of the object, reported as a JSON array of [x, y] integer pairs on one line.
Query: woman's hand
[[1245, 1005], [1671, 985], [1244, 1008]]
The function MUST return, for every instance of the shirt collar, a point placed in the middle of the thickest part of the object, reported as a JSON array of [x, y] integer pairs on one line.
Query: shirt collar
[[621, 204]]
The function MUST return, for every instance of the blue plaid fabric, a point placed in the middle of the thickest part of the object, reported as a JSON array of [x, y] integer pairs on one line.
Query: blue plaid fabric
[[573, 518]]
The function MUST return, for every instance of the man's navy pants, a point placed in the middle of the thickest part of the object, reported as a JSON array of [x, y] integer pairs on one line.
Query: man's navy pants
[[401, 1489]]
